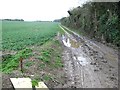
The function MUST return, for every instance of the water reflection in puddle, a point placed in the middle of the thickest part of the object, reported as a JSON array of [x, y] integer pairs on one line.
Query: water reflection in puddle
[[82, 61], [69, 42]]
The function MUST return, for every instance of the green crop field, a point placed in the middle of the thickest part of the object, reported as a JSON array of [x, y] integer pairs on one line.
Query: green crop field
[[17, 35]]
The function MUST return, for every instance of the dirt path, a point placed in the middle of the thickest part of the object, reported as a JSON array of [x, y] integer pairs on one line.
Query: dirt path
[[88, 64]]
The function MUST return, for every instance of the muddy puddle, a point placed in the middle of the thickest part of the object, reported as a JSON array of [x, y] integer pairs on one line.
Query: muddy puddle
[[70, 42], [81, 60], [88, 64], [75, 44]]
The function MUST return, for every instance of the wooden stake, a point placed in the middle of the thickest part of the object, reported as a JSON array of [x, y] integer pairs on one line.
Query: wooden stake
[[21, 64]]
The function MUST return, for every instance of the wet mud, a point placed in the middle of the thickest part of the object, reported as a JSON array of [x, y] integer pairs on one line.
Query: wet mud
[[88, 64]]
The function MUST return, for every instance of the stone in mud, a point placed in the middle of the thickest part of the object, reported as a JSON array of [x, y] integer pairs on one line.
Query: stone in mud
[[93, 63], [113, 75], [100, 68], [112, 78], [111, 67], [96, 59], [101, 57], [104, 61], [95, 70], [97, 65], [72, 87], [65, 76], [91, 54], [95, 52]]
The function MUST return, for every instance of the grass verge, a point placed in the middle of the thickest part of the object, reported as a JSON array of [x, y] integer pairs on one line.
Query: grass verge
[[42, 63]]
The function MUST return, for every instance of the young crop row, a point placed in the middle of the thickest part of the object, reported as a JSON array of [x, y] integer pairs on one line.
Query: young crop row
[[19, 35]]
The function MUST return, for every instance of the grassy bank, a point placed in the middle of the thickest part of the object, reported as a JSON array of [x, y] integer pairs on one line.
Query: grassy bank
[[40, 63]]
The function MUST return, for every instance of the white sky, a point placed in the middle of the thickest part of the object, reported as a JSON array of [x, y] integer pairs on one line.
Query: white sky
[[31, 10]]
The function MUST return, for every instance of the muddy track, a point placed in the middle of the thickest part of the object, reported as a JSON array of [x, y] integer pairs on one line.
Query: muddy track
[[88, 64]]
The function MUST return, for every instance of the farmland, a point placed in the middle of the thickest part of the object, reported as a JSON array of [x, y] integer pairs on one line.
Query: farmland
[[36, 50], [80, 50], [36, 44], [17, 35]]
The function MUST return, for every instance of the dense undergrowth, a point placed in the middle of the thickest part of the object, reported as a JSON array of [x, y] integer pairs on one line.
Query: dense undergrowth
[[99, 20]]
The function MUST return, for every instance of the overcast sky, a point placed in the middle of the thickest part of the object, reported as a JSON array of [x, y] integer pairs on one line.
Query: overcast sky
[[31, 10]]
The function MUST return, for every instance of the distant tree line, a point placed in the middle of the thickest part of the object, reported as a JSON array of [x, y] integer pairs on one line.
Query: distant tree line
[[12, 20], [42, 21], [56, 20], [99, 20]]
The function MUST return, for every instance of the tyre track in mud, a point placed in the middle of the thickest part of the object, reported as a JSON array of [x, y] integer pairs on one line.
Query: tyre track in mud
[[88, 65]]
